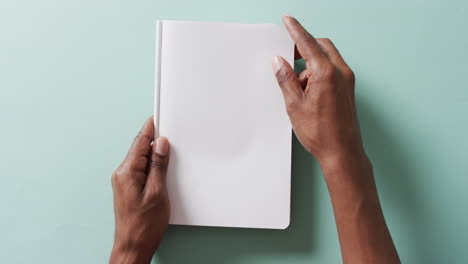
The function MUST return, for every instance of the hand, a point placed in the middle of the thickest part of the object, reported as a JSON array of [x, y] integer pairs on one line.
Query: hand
[[320, 103], [141, 202], [320, 100]]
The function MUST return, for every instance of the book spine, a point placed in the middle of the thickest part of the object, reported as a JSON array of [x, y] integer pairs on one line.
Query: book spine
[[157, 88]]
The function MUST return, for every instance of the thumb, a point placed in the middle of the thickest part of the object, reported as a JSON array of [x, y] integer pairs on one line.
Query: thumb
[[288, 81], [156, 180]]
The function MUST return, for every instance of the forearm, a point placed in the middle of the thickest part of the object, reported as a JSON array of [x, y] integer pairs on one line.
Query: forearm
[[122, 253], [363, 233]]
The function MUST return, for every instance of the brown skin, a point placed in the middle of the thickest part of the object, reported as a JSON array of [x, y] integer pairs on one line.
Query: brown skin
[[141, 202], [321, 106]]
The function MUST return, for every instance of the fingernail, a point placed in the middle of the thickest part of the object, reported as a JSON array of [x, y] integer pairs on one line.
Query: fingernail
[[276, 64], [162, 146], [287, 15]]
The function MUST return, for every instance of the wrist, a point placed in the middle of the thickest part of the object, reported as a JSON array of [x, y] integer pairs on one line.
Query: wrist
[[343, 165], [351, 175], [124, 254]]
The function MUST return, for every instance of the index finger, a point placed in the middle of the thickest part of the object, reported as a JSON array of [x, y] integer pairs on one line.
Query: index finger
[[305, 42], [142, 143]]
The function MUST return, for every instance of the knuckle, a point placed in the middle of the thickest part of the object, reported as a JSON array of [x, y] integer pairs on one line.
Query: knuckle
[[140, 137], [116, 178], [156, 195], [326, 41], [157, 165], [327, 72], [283, 76], [158, 162], [113, 180], [349, 75]]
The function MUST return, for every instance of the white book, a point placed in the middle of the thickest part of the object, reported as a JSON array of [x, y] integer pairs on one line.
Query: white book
[[218, 103]]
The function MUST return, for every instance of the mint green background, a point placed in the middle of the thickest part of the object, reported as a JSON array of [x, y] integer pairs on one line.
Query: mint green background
[[76, 83]]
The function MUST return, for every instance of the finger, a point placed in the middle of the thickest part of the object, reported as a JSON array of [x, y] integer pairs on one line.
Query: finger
[[141, 146], [335, 57], [288, 81], [156, 180], [332, 52], [305, 42]]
